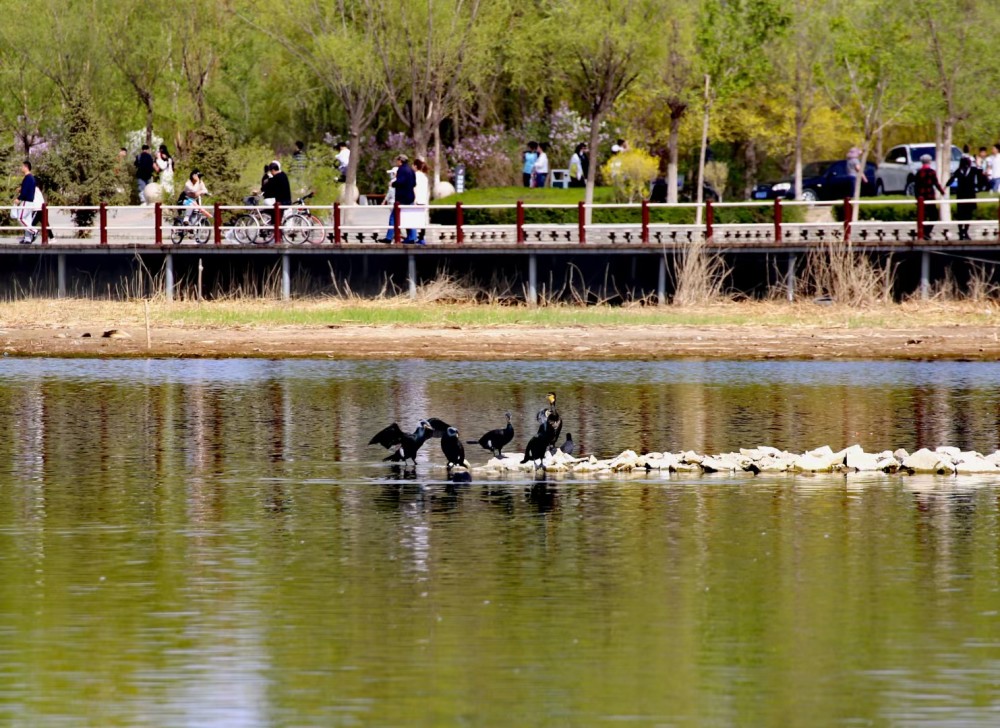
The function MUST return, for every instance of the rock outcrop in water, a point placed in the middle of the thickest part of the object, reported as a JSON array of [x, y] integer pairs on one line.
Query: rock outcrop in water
[[941, 461]]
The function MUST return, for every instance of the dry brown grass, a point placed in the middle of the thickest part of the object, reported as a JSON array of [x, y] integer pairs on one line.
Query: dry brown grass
[[847, 275], [699, 276]]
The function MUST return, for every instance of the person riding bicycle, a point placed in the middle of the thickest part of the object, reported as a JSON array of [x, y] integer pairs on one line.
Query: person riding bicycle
[[194, 190]]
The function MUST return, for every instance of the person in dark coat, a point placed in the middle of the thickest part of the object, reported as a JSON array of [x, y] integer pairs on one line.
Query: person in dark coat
[[968, 180], [926, 187], [143, 171], [404, 186]]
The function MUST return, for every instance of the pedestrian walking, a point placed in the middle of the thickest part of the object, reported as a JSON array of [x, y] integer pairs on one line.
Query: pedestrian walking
[[578, 164], [966, 180], [993, 168], [164, 164], [541, 166], [926, 187], [404, 187], [529, 158], [143, 172], [28, 200]]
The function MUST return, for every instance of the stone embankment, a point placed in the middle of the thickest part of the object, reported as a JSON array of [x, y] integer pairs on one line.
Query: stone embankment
[[941, 461]]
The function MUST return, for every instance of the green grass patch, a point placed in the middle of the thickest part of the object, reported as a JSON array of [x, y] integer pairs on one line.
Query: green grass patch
[[443, 210]]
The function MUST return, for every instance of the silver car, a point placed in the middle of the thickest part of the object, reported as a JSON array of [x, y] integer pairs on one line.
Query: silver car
[[896, 172]]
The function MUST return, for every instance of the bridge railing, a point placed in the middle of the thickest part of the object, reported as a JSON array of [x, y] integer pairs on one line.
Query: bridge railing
[[722, 223]]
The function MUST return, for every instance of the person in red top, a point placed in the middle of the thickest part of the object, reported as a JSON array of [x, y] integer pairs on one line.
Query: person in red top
[[926, 185]]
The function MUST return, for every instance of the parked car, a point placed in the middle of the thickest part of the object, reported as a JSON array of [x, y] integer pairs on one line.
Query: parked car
[[820, 181], [896, 172]]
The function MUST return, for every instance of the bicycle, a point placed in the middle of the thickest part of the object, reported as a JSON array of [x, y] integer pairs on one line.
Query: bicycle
[[298, 226], [198, 227]]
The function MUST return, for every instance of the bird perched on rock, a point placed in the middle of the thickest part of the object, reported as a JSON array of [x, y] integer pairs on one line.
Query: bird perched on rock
[[549, 419], [568, 445], [495, 440], [406, 445], [453, 448], [537, 445]]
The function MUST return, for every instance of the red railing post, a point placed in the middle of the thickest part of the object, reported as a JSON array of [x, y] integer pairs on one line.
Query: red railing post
[[277, 223], [848, 216], [45, 223], [645, 222], [217, 223], [709, 219], [102, 219], [336, 223], [158, 223], [920, 218], [459, 223], [520, 222], [581, 222], [395, 223], [777, 219]]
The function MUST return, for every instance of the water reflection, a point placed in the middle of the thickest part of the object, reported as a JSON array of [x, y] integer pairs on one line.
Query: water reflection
[[216, 544]]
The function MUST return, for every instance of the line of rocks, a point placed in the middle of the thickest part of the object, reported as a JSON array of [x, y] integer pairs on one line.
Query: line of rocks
[[942, 461]]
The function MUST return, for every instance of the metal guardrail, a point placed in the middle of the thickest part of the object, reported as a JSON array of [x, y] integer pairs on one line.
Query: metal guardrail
[[150, 226]]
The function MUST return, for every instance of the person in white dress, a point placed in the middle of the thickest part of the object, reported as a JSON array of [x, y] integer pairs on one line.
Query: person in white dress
[[164, 164], [422, 190]]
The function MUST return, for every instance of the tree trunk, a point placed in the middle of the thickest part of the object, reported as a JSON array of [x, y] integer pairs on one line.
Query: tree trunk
[[148, 101], [700, 198], [595, 135], [944, 165], [800, 123], [349, 195], [750, 156], [437, 159], [675, 128]]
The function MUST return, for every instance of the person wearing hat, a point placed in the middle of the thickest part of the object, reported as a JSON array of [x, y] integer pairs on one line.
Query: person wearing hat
[[404, 186], [926, 186]]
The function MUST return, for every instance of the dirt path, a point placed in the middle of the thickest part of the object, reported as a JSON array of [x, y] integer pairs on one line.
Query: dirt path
[[593, 342]]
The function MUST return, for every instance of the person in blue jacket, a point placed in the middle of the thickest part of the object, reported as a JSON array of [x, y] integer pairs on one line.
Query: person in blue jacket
[[405, 184]]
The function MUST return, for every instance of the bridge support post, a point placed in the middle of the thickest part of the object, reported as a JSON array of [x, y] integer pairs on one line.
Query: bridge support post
[[168, 277], [925, 275], [790, 278], [286, 276], [532, 280], [411, 274], [61, 275], [661, 282]]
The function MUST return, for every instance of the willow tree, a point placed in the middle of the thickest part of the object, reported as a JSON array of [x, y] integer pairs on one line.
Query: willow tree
[[732, 38], [600, 48], [336, 42], [429, 51], [869, 81]]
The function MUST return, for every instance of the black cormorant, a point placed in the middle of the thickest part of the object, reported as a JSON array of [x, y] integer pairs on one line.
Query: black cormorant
[[537, 446], [568, 445], [406, 445], [453, 448], [438, 426], [495, 440], [552, 421]]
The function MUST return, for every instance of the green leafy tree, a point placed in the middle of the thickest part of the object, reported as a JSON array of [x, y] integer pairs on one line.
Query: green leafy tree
[[211, 155], [871, 83], [732, 35], [81, 168], [336, 43], [602, 47]]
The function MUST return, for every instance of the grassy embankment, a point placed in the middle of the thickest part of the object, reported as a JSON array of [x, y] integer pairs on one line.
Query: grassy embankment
[[398, 312]]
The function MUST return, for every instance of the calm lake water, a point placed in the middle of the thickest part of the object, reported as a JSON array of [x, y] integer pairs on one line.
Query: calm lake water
[[212, 543]]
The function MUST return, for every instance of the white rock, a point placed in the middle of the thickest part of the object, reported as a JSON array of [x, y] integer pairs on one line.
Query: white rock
[[719, 465], [820, 451], [860, 460], [900, 454], [976, 465], [817, 463], [994, 457], [948, 450], [691, 457], [922, 461], [888, 465], [753, 454], [766, 450]]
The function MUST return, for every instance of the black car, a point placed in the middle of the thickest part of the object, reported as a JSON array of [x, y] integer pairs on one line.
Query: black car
[[820, 181]]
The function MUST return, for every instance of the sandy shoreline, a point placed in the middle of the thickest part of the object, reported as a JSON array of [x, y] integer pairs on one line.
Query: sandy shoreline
[[973, 342]]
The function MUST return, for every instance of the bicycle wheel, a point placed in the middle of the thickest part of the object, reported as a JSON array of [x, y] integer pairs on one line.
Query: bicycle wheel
[[295, 229], [202, 230], [177, 233], [244, 229], [264, 230], [316, 233]]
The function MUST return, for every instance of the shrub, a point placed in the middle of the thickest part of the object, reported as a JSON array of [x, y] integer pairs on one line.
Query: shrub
[[630, 173]]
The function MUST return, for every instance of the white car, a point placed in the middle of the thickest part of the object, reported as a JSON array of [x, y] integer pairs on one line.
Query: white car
[[897, 170]]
